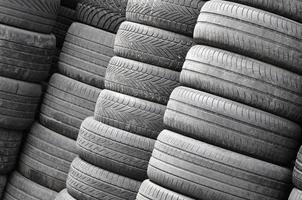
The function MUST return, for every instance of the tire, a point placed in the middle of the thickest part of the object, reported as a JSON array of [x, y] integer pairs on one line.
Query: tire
[[177, 15], [46, 157], [106, 14], [251, 32], [295, 194], [21, 188], [66, 104], [203, 171], [18, 103], [140, 80], [64, 195], [25, 55], [245, 80], [2, 185], [113, 149], [151, 191], [86, 53], [85, 181], [72, 4], [152, 45], [297, 172], [131, 114], [232, 126], [34, 15]]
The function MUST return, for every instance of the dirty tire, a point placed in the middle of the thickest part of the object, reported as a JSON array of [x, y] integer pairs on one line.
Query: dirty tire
[[251, 32], [64, 195], [85, 181], [232, 125], [113, 149], [297, 172], [131, 114], [140, 80], [105, 14], [86, 53], [245, 80], [295, 194], [177, 15], [203, 171], [21, 188], [152, 45], [66, 104]]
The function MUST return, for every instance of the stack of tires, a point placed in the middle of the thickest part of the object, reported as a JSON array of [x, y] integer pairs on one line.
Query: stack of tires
[[233, 124]]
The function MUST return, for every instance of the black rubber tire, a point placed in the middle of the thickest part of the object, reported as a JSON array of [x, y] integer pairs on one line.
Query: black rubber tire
[[25, 55], [66, 104], [64, 195], [151, 191], [113, 149], [232, 126], [152, 45], [297, 172], [252, 32], [103, 14], [85, 181], [288, 8], [46, 157], [245, 80], [177, 15], [70, 3], [203, 171], [21, 188], [86, 53], [131, 114], [3, 180], [18, 103], [140, 80], [34, 15], [295, 194]]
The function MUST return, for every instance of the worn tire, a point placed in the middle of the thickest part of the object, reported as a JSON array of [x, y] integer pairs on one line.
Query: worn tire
[[295, 194], [113, 149], [140, 80], [21, 188], [131, 114], [177, 15], [232, 126], [66, 104], [297, 172], [85, 181], [105, 14], [64, 195], [203, 171], [245, 80], [152, 45], [251, 32], [86, 53]]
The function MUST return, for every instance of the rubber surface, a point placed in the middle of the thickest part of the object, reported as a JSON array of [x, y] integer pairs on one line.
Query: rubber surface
[[203, 171], [232, 126], [86, 53], [64, 195], [140, 80], [70, 3], [131, 114], [297, 172], [295, 194], [152, 45]]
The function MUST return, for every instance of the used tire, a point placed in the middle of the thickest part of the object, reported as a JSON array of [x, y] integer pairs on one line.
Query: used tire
[[86, 53], [129, 113], [140, 80], [251, 32], [177, 15], [64, 195], [105, 14], [113, 149], [232, 125], [152, 45], [66, 104], [245, 80], [85, 181], [203, 171], [297, 172], [295, 194]]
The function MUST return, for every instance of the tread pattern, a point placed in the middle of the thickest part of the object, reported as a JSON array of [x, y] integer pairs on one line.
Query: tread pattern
[[86, 53], [85, 181], [251, 32], [66, 104], [245, 80], [140, 80], [113, 149], [297, 172], [173, 15], [204, 171], [152, 45], [295, 194], [130, 114], [64, 195], [232, 125], [105, 14]]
